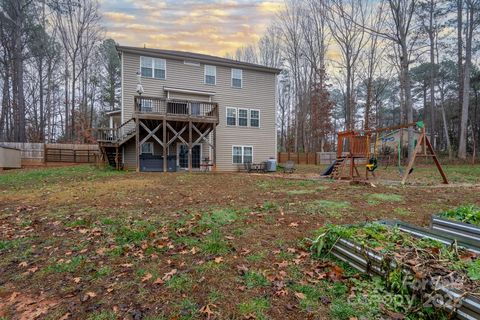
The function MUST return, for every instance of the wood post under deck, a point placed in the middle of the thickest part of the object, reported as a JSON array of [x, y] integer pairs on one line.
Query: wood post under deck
[[166, 140], [137, 143], [190, 146], [165, 146]]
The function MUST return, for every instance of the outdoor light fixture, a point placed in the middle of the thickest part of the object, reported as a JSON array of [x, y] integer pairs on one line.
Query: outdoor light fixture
[[139, 84]]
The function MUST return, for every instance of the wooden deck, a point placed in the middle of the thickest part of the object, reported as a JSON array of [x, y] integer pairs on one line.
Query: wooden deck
[[166, 121], [155, 108]]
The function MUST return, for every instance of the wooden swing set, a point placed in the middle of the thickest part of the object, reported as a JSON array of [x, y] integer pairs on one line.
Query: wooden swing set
[[359, 156]]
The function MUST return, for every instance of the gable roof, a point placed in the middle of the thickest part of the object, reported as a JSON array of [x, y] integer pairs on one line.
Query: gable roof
[[198, 57]]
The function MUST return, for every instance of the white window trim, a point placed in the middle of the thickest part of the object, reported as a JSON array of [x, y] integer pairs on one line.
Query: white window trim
[[205, 75], [153, 68], [151, 146], [236, 117], [241, 78], [249, 118], [243, 153]]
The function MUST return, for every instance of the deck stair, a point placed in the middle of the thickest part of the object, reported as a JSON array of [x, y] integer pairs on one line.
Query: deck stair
[[110, 139]]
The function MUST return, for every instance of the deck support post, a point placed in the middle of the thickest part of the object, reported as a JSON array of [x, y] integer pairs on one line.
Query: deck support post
[[137, 143], [116, 159], [214, 151], [165, 146], [190, 146]]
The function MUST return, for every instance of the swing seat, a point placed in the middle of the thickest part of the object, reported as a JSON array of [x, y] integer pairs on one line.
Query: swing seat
[[372, 164]]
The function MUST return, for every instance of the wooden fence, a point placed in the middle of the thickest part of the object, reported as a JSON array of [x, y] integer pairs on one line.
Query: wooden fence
[[315, 158], [37, 154]]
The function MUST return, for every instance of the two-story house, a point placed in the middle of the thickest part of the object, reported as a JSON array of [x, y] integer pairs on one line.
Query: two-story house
[[189, 111]]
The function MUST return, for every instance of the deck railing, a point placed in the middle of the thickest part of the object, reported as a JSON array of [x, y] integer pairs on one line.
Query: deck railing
[[175, 107], [116, 134]]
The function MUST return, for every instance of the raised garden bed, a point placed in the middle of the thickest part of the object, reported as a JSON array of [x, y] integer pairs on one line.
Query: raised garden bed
[[446, 238], [462, 223], [445, 277]]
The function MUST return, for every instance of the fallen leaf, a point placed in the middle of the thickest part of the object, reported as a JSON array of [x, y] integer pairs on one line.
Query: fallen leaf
[[158, 281], [293, 224], [147, 277], [167, 276], [283, 264], [207, 310], [218, 259], [300, 295]]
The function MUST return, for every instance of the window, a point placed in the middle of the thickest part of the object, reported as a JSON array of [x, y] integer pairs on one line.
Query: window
[[231, 117], [153, 67], [243, 117], [146, 66], [145, 105], [237, 155], [254, 118], [237, 78], [147, 148], [210, 75], [247, 154], [242, 154]]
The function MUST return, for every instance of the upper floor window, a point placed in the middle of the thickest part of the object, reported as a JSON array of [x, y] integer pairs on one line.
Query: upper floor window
[[231, 116], [210, 74], [237, 75], [153, 67], [243, 117], [254, 118]]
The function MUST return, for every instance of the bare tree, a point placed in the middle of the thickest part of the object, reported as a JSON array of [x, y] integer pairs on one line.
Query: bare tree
[[78, 27], [472, 15], [346, 18]]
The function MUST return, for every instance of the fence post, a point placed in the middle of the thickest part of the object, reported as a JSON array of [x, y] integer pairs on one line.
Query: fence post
[[44, 153]]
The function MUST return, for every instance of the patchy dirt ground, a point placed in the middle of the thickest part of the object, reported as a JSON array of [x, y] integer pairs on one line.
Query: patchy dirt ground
[[84, 243]]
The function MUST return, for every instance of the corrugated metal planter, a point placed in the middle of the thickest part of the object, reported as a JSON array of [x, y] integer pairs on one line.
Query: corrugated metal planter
[[464, 232], [436, 234], [464, 305]]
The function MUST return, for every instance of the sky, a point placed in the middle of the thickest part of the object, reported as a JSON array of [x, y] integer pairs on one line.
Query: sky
[[212, 27]]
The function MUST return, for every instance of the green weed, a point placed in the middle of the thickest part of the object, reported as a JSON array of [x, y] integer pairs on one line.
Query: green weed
[[327, 207], [255, 257], [35, 177], [255, 279], [384, 197], [218, 218], [102, 315], [69, 266], [214, 244], [256, 306], [181, 283]]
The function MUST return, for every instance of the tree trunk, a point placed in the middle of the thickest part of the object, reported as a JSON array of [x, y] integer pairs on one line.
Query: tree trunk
[[431, 35], [462, 145]]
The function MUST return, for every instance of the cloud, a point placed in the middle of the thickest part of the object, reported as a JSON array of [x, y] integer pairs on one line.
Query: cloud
[[118, 16], [210, 26]]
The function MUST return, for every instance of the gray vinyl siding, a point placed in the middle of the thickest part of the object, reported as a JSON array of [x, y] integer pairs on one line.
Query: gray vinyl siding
[[257, 92]]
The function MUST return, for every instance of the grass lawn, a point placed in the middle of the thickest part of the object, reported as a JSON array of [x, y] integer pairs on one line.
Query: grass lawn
[[85, 243]]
